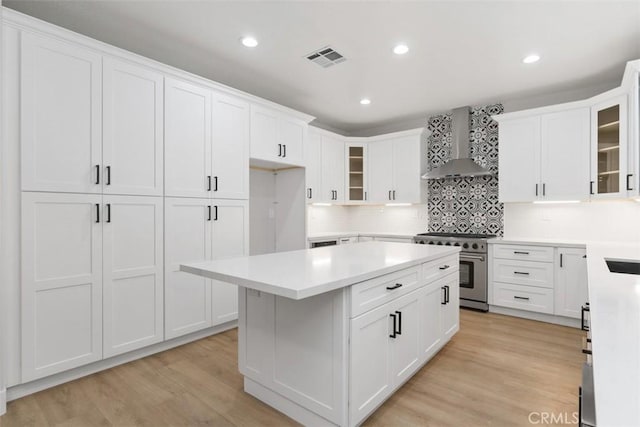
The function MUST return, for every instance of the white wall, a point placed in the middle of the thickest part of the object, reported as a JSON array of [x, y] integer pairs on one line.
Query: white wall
[[391, 219], [600, 221]]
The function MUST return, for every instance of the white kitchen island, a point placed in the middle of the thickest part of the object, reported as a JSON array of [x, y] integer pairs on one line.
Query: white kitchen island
[[326, 335]]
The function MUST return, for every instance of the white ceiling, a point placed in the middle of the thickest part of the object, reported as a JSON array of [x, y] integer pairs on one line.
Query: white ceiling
[[461, 53]]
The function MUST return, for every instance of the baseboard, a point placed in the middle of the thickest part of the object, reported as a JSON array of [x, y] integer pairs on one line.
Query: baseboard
[[26, 389], [540, 317], [3, 401]]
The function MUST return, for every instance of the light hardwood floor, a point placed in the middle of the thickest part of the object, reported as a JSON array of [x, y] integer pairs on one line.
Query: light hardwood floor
[[495, 371]]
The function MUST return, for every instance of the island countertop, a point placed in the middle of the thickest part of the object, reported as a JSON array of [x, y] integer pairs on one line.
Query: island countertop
[[615, 332], [309, 272]]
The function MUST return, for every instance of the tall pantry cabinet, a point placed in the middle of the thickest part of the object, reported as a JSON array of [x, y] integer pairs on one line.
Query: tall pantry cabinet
[[207, 162]]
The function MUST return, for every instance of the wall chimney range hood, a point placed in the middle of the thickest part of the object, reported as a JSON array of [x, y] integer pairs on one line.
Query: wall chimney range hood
[[461, 163]]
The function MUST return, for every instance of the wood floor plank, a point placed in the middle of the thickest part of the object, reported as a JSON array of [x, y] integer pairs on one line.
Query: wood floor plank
[[494, 372]]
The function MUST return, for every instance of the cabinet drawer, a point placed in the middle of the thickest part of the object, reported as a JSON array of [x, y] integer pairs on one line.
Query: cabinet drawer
[[523, 272], [523, 252], [523, 297], [434, 270], [375, 292]]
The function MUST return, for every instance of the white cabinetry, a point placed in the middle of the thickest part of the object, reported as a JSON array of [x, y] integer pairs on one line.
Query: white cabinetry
[[61, 116], [395, 167], [544, 156], [201, 229], [61, 282], [276, 137], [187, 142], [132, 273], [536, 278], [571, 290], [132, 151], [332, 181], [356, 172], [313, 172]]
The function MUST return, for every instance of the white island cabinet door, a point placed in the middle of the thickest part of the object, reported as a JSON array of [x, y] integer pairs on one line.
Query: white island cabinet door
[[187, 145], [406, 170], [570, 291], [451, 308], [432, 298], [565, 155], [133, 273], [61, 87], [188, 224], [230, 148], [61, 282], [380, 171], [519, 159], [230, 239], [370, 377], [406, 355], [133, 129]]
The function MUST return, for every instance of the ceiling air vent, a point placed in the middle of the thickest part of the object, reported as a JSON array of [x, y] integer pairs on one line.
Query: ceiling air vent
[[326, 57]]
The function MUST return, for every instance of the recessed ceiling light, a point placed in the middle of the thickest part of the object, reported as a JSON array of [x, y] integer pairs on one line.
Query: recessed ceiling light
[[249, 41], [365, 101], [401, 49], [530, 59]]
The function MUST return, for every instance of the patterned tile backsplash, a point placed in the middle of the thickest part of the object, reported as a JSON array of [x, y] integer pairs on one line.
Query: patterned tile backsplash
[[470, 204]]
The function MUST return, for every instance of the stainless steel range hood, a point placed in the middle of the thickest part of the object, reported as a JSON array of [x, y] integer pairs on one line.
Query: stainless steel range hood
[[461, 163]]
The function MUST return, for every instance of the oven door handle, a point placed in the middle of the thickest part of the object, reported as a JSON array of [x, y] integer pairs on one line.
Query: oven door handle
[[479, 258]]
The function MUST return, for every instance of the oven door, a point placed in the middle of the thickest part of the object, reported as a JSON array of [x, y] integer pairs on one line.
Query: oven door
[[473, 276]]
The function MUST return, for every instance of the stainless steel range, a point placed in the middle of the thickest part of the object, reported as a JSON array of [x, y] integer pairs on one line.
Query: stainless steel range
[[473, 264]]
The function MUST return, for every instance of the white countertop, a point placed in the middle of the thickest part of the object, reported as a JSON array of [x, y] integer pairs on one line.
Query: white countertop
[[615, 331], [308, 272], [537, 242], [338, 234]]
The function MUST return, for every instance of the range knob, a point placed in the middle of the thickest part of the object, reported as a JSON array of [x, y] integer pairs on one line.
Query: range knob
[[474, 246], [431, 242], [439, 243], [466, 245], [448, 244], [421, 242], [456, 244]]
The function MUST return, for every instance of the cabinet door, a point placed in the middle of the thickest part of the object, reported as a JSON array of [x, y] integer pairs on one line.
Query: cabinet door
[[133, 129], [609, 148], [313, 172], [356, 173], [187, 145], [451, 309], [406, 353], [380, 171], [370, 379], [61, 87], [133, 273], [230, 239], [187, 238], [519, 158], [406, 170], [264, 134], [565, 155], [571, 282], [61, 282], [230, 148], [432, 299], [332, 170], [292, 134]]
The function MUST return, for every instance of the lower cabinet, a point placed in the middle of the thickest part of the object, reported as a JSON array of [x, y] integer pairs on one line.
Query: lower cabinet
[[201, 229], [389, 343], [92, 278], [571, 289]]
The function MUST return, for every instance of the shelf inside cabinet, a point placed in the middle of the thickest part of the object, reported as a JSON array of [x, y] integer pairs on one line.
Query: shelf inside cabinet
[[608, 125], [608, 173], [605, 149]]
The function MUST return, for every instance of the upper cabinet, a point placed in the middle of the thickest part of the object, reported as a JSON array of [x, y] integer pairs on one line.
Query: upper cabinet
[[206, 143], [313, 172], [545, 156], [356, 172], [609, 177], [61, 116], [395, 166], [276, 137], [332, 175], [132, 129]]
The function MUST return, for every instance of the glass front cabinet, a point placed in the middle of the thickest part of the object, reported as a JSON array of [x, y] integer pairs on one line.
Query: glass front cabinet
[[356, 173], [609, 176]]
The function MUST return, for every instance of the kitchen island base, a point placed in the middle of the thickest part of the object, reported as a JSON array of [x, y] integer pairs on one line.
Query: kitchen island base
[[315, 362]]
